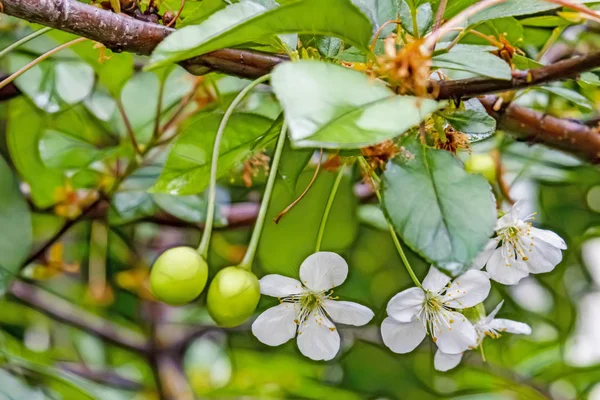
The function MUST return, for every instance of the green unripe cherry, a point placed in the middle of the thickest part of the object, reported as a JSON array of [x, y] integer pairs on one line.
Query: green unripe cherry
[[233, 296], [178, 276], [482, 164]]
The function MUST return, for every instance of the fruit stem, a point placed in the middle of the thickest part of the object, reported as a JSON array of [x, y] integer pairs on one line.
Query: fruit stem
[[212, 187], [332, 194], [376, 182], [262, 213], [24, 40]]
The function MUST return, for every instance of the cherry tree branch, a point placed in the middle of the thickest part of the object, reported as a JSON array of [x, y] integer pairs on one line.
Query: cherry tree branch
[[64, 311], [535, 127]]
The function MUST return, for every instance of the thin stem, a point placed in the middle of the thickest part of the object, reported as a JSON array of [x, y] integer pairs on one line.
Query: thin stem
[[24, 40], [415, 23], [38, 60], [128, 127], [262, 212], [161, 90], [578, 7], [439, 15], [177, 15], [381, 28], [330, 200], [376, 183], [212, 187], [464, 15]]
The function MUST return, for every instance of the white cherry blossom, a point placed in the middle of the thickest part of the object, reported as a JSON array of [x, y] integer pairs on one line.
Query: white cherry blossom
[[308, 308], [486, 326], [416, 312], [519, 249]]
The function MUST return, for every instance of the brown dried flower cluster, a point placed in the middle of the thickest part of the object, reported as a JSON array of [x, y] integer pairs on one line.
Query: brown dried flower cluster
[[454, 141], [377, 156], [253, 166]]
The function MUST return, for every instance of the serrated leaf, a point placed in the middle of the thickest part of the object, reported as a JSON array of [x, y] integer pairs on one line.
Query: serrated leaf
[[244, 23], [331, 106], [187, 168], [423, 16], [478, 63], [15, 223], [477, 124], [439, 210]]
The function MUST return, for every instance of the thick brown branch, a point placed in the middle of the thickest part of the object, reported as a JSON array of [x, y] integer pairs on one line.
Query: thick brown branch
[[62, 310], [120, 32], [569, 68], [535, 127]]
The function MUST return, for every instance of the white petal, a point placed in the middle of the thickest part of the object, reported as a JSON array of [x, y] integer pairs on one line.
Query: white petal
[[468, 290], [507, 272], [435, 280], [445, 362], [483, 257], [402, 337], [459, 336], [318, 338], [511, 217], [347, 312], [491, 315], [276, 325], [543, 257], [549, 237], [406, 304], [507, 325], [280, 286], [323, 270]]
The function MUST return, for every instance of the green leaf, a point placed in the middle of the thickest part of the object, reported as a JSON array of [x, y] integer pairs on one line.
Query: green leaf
[[201, 12], [479, 63], [569, 95], [371, 215], [61, 150], [293, 161], [424, 17], [53, 85], [331, 106], [242, 24], [15, 220], [589, 80], [512, 8], [25, 127], [187, 168], [477, 124], [284, 246], [439, 210]]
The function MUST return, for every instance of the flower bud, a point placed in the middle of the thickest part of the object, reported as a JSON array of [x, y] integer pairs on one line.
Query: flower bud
[[178, 276], [233, 296], [482, 164]]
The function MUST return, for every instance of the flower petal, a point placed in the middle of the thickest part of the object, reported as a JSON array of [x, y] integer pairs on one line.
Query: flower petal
[[459, 336], [280, 286], [347, 312], [445, 362], [323, 270], [402, 337], [276, 325], [491, 315], [318, 338], [549, 237], [435, 280], [406, 304], [511, 217], [468, 290], [507, 325], [543, 256], [483, 257], [506, 272]]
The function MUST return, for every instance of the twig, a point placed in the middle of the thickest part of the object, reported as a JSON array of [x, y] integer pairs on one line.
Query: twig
[[177, 15], [439, 15], [60, 233], [128, 127], [62, 310], [593, 15], [103, 377]]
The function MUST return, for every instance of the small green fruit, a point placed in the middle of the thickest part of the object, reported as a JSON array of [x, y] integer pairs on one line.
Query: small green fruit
[[233, 296], [178, 276], [482, 164]]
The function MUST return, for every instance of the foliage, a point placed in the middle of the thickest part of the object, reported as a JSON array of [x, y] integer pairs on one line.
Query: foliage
[[105, 163]]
